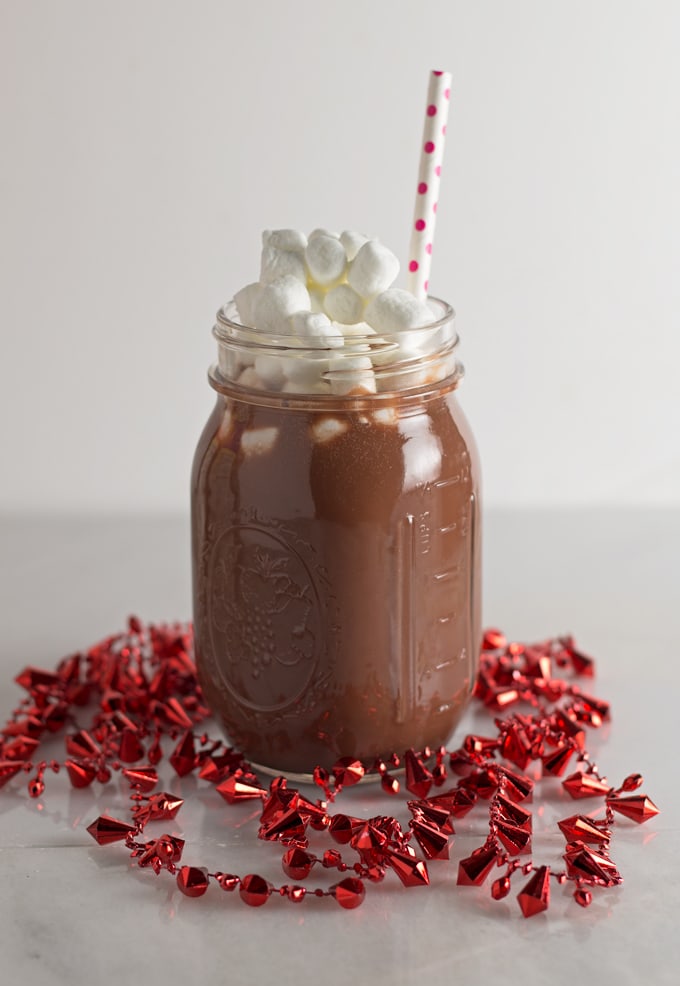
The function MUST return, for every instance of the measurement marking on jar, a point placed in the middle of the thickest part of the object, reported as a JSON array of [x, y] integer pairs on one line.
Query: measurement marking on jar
[[451, 481], [449, 528], [446, 574], [406, 617]]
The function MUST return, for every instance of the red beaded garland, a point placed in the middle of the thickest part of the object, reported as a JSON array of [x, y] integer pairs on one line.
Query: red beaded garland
[[144, 684]]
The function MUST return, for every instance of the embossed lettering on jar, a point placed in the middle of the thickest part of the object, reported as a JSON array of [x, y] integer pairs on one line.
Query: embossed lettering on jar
[[336, 550]]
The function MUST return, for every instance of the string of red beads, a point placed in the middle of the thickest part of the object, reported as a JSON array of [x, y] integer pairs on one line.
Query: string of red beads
[[142, 687]]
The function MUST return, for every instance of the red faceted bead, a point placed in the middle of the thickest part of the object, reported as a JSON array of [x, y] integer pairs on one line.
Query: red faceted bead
[[493, 640], [585, 786], [296, 894], [297, 864], [144, 778], [36, 787], [512, 813], [535, 896], [537, 664], [279, 801], [580, 827], [582, 664], [632, 782], [473, 871], [254, 890], [583, 897], [176, 714], [591, 866], [227, 881], [411, 871], [288, 826], [431, 839], [483, 782], [435, 814], [500, 888], [418, 777], [342, 827], [556, 763], [105, 830], [638, 807], [235, 790], [516, 746], [8, 769], [35, 678], [349, 893], [517, 786], [30, 726], [81, 744], [80, 774], [515, 839], [484, 746], [331, 859], [21, 748], [215, 768], [458, 802], [389, 784], [131, 749], [163, 806], [55, 716], [348, 771], [572, 732], [498, 699], [183, 757], [193, 880]]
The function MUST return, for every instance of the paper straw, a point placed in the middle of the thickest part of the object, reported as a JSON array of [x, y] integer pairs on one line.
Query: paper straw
[[427, 192]]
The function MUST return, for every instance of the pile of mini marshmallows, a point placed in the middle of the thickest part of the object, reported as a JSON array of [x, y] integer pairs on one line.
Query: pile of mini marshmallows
[[330, 296]]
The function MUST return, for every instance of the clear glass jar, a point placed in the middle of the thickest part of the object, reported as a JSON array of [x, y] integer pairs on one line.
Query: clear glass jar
[[336, 546]]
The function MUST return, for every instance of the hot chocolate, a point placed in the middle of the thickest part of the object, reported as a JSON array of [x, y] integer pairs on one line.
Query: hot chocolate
[[336, 535]]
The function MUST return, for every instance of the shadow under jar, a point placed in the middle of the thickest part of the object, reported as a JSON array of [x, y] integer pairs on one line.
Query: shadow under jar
[[336, 545]]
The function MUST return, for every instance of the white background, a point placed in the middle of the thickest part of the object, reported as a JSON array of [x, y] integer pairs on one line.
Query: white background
[[146, 144]]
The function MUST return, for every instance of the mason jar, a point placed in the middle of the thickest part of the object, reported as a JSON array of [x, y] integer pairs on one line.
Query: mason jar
[[336, 544]]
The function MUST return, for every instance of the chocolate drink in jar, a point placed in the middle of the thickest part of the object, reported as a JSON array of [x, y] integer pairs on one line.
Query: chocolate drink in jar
[[335, 513]]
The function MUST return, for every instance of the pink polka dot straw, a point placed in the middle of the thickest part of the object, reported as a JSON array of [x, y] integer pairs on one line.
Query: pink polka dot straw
[[427, 192]]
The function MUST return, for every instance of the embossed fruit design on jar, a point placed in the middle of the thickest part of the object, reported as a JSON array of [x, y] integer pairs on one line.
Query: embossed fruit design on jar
[[335, 533]]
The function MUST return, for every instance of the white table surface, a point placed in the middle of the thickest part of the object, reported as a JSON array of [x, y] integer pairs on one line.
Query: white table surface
[[72, 912]]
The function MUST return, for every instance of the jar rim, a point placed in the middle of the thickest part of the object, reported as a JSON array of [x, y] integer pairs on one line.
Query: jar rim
[[228, 329]]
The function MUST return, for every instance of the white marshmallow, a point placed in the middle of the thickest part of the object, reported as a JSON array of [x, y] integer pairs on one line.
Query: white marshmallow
[[357, 338], [373, 269], [276, 263], [257, 441], [305, 387], [386, 416], [326, 259], [246, 300], [309, 323], [249, 378], [354, 375], [320, 231], [352, 242], [270, 371], [229, 362], [314, 330], [395, 310], [324, 429], [277, 301], [305, 369], [285, 239], [224, 431], [343, 304]]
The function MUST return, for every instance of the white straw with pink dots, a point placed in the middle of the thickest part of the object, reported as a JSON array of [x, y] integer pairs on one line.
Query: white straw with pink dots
[[432, 152]]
